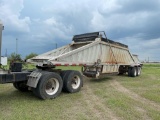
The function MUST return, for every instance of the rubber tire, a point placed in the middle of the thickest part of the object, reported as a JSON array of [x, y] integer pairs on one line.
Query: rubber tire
[[133, 72], [138, 71], [21, 86], [40, 92], [129, 71], [63, 75], [67, 81]]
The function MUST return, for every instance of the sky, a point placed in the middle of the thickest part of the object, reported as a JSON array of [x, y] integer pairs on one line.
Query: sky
[[38, 25]]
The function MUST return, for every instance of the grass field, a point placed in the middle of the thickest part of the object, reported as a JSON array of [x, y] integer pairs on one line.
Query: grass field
[[114, 97]]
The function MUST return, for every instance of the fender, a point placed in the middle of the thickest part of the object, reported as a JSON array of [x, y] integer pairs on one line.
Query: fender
[[34, 78]]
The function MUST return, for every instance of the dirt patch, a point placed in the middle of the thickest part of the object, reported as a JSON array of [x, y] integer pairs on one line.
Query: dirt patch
[[143, 113], [135, 96], [96, 105]]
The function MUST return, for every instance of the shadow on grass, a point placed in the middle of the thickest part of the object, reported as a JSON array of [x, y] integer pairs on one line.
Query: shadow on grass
[[15, 95], [101, 80], [123, 75], [107, 78]]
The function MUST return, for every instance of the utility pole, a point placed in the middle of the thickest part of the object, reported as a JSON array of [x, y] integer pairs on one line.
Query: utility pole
[[1, 28], [6, 54], [16, 46]]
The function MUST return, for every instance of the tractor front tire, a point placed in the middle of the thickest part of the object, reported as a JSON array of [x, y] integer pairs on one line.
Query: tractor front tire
[[21, 86]]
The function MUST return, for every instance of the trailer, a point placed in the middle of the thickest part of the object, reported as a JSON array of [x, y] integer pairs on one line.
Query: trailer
[[93, 52]]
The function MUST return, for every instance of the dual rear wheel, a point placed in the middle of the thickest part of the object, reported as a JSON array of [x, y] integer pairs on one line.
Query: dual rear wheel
[[51, 84], [72, 81], [134, 71]]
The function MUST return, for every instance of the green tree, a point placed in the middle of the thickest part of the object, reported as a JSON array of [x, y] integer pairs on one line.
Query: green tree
[[31, 55], [14, 57]]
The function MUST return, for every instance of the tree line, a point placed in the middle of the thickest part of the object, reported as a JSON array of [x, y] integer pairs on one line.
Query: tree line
[[18, 57]]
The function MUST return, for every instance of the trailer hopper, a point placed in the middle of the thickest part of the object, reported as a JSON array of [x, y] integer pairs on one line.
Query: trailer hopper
[[94, 52]]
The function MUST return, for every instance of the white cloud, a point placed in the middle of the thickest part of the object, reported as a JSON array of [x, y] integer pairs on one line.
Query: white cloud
[[144, 48], [50, 21], [57, 28], [108, 6], [11, 16]]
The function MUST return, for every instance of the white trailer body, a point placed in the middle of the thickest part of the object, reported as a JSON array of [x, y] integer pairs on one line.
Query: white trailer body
[[105, 55]]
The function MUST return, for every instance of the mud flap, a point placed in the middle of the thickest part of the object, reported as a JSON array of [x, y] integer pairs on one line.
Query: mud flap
[[33, 79]]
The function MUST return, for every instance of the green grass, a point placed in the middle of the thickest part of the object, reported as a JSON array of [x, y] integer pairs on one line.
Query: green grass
[[146, 85], [91, 103], [151, 65], [69, 68]]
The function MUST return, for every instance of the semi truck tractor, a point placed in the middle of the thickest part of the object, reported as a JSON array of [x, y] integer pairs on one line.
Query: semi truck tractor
[[93, 52]]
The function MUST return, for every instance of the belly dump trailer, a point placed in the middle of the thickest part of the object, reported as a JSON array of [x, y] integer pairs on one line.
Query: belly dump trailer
[[96, 54]]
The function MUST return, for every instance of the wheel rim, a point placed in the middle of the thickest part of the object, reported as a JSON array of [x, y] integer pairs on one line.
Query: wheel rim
[[52, 86], [139, 71], [75, 82], [135, 72]]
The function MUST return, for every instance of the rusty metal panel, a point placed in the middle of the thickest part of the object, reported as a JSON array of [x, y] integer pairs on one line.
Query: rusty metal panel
[[122, 56], [88, 53], [115, 54]]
